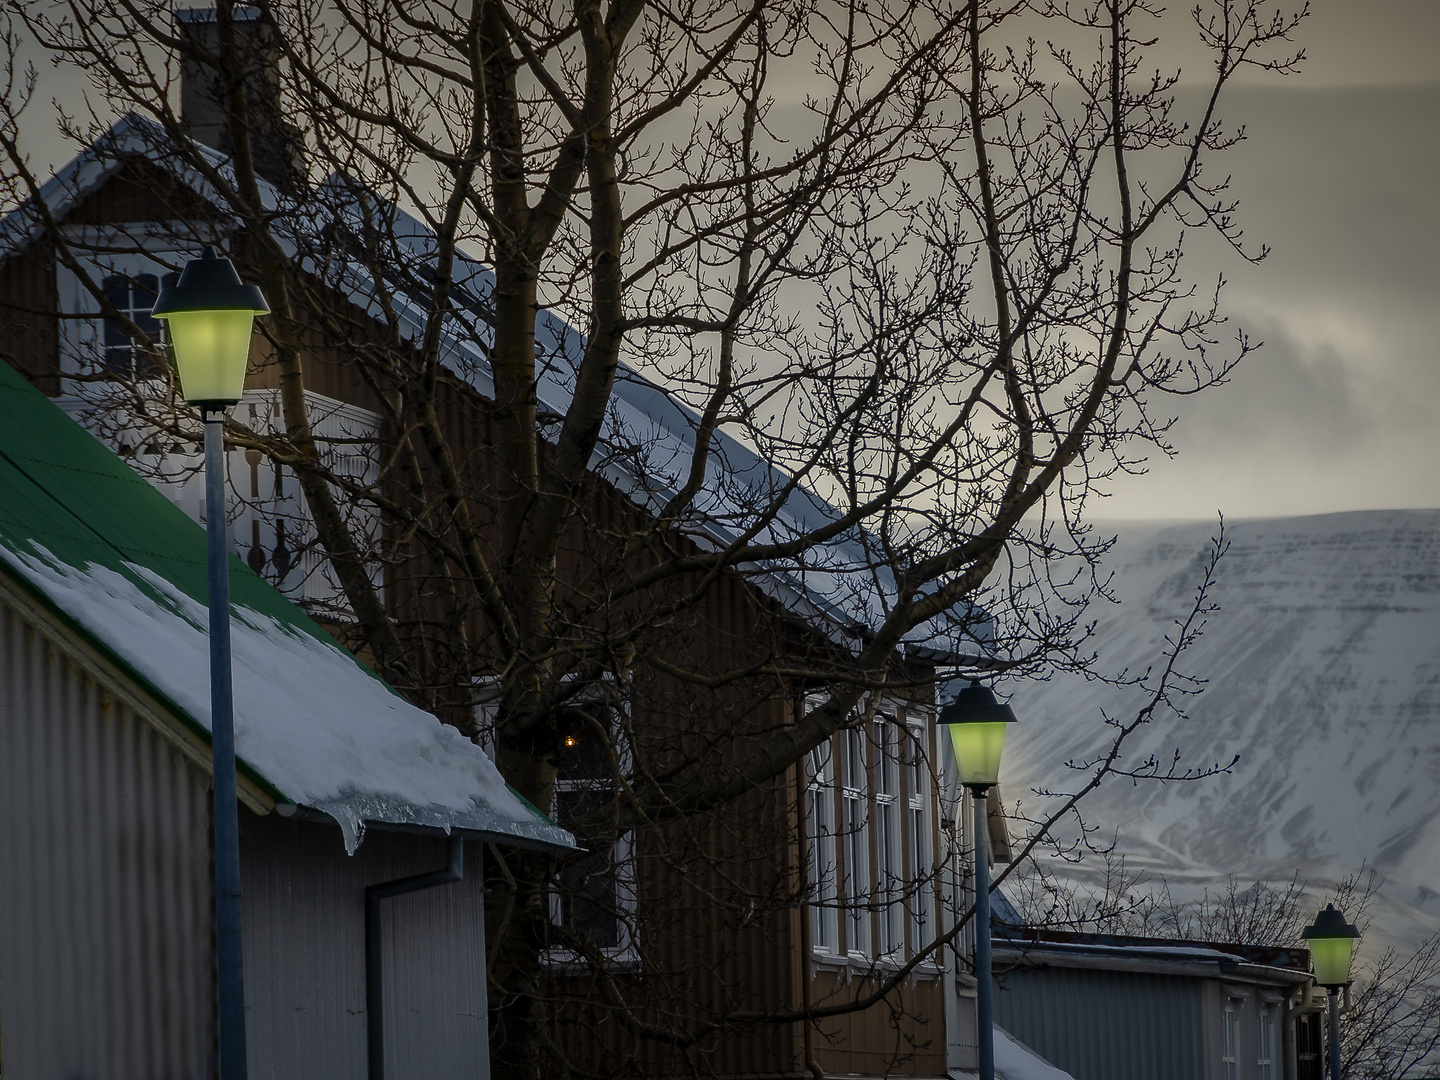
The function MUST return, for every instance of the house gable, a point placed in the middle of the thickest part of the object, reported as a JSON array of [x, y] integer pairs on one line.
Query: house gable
[[113, 557]]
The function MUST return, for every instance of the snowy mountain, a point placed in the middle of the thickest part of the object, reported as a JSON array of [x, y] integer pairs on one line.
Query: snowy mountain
[[1323, 674]]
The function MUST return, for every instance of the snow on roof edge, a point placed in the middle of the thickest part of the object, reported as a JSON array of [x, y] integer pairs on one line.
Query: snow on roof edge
[[381, 759]]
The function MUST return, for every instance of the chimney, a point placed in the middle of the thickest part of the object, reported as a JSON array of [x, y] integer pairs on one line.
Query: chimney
[[274, 143]]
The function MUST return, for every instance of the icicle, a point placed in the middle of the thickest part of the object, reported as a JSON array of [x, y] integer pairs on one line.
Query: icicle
[[352, 825]]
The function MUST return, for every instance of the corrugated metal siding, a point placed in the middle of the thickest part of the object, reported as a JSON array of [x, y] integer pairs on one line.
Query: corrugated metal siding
[[105, 927], [1107, 1025], [305, 956]]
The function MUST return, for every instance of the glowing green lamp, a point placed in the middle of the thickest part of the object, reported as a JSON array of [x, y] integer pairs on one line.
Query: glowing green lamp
[[977, 724], [1332, 943], [209, 313]]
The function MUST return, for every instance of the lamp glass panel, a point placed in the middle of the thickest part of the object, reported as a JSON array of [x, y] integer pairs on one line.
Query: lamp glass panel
[[977, 751], [1332, 959], [212, 351]]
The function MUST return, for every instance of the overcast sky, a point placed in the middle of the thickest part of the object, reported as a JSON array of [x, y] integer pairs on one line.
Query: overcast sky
[[1341, 177]]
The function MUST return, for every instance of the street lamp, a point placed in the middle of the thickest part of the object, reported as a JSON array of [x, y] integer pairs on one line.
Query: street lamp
[[209, 313], [977, 724], [1332, 946]]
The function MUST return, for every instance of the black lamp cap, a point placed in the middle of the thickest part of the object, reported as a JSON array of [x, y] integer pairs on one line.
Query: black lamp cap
[[1329, 924], [209, 283], [976, 704]]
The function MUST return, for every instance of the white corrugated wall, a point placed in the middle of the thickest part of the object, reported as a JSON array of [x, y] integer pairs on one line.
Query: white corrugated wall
[[305, 956], [105, 925], [106, 906]]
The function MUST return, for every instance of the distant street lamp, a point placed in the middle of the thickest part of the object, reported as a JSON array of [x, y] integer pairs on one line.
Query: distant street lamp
[[977, 725], [209, 315], [1332, 947]]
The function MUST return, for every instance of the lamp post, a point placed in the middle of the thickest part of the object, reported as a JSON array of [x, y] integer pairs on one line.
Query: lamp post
[[1332, 946], [977, 724], [209, 315]]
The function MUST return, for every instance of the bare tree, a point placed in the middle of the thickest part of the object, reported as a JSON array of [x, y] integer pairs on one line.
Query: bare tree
[[915, 271]]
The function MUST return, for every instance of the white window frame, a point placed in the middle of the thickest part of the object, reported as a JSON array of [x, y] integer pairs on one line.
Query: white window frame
[[890, 851], [855, 840], [625, 953], [869, 822], [916, 771], [822, 864], [1265, 1042], [82, 342], [1230, 1038]]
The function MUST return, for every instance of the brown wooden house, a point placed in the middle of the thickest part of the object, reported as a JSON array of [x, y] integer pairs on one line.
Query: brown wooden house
[[807, 895]]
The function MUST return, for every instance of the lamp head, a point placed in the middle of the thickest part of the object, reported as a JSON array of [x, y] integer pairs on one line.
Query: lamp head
[[977, 724], [209, 313], [1332, 943]]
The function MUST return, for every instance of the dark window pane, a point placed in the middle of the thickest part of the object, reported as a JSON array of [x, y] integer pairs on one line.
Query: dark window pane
[[134, 297], [588, 897], [117, 291], [588, 813], [585, 734]]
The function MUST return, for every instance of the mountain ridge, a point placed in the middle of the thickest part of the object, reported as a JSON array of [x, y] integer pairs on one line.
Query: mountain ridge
[[1322, 669]]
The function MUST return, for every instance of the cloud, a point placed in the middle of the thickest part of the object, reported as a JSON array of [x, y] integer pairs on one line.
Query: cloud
[[1341, 408]]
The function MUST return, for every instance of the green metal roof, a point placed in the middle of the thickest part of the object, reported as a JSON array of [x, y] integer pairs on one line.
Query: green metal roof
[[69, 503], [66, 489]]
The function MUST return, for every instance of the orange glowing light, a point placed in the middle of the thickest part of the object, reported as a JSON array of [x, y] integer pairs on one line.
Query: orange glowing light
[[571, 742]]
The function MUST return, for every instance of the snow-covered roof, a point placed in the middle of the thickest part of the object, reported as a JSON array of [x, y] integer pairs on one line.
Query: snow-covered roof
[[647, 446], [841, 586], [126, 570], [1103, 950]]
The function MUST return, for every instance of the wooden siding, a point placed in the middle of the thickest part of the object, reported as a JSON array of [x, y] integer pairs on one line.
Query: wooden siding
[[140, 191]]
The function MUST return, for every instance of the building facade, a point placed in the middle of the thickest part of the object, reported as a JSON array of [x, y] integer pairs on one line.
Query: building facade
[[815, 891]]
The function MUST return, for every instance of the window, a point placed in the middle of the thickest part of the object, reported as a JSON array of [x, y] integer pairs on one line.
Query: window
[[870, 852], [133, 295], [130, 265], [594, 898], [917, 775], [855, 829], [1265, 1043], [889, 849], [820, 813], [1230, 1039]]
